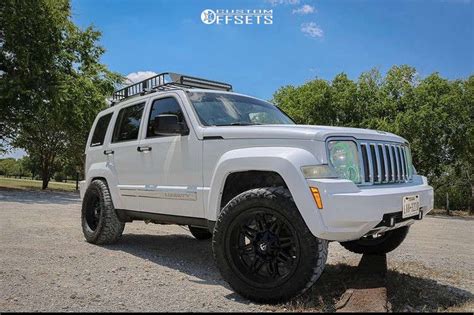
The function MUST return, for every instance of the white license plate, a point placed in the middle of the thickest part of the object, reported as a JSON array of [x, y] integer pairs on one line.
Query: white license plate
[[411, 206]]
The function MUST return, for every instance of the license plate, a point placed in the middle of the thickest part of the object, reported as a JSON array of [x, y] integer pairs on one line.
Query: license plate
[[411, 206]]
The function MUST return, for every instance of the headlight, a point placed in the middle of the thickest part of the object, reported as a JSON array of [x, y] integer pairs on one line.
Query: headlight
[[318, 171], [343, 156]]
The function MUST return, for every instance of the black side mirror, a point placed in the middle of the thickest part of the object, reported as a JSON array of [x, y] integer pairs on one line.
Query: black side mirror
[[168, 125]]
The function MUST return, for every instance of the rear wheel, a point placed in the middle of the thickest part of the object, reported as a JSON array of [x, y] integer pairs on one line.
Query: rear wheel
[[263, 247], [200, 233], [100, 223], [378, 244]]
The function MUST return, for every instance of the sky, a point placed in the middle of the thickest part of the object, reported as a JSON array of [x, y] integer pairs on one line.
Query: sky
[[307, 39]]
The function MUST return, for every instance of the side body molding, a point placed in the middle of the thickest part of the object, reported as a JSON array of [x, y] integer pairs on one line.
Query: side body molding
[[286, 161]]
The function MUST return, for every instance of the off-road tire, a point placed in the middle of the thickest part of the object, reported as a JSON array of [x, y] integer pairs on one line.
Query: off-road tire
[[309, 264], [200, 233], [388, 242], [106, 226]]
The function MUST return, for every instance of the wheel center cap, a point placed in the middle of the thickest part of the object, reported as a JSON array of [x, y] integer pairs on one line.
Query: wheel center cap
[[263, 247]]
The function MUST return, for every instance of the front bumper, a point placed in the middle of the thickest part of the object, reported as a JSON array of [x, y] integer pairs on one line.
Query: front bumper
[[350, 212]]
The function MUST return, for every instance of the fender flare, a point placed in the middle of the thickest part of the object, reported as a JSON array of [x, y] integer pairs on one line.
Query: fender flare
[[286, 161], [100, 170]]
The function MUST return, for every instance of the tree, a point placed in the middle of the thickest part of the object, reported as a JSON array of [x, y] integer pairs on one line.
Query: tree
[[8, 166], [344, 101], [307, 104], [52, 83], [30, 165]]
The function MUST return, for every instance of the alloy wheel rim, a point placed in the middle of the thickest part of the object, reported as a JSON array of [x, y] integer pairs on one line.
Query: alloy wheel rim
[[93, 213], [264, 247]]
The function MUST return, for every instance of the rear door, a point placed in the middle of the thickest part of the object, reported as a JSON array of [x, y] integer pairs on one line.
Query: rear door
[[123, 155], [95, 145]]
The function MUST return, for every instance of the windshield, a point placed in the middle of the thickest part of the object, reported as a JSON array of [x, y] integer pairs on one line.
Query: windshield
[[219, 109]]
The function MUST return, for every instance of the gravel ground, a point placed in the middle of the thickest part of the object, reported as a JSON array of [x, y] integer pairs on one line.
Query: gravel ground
[[45, 265]]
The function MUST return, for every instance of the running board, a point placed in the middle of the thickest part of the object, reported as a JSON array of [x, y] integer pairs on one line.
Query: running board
[[130, 215]]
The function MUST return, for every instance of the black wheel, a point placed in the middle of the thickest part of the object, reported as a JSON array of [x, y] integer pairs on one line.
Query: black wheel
[[100, 223], [378, 244], [263, 247], [200, 233]]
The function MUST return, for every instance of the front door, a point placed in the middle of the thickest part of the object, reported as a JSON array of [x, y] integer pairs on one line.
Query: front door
[[171, 162]]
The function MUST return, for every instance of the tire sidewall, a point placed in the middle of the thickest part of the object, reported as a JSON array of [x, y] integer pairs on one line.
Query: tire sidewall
[[93, 191]]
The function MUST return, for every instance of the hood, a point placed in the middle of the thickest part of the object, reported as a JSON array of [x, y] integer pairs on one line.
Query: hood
[[301, 132]]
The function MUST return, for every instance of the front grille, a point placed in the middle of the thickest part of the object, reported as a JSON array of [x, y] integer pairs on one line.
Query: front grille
[[384, 162]]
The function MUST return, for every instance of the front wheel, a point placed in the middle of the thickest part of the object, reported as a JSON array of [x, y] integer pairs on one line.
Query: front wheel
[[378, 244], [263, 247]]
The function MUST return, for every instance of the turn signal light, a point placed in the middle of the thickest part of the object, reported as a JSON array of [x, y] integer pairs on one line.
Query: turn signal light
[[317, 197]]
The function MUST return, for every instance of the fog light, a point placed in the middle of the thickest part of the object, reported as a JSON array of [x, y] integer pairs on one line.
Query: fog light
[[317, 197]]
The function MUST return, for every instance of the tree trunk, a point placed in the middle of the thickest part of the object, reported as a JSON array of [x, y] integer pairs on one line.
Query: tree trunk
[[45, 170], [45, 182], [447, 204], [471, 206]]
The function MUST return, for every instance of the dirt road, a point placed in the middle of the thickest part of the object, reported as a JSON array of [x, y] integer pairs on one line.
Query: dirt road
[[45, 265]]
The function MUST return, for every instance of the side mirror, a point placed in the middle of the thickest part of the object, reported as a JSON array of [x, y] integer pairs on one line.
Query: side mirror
[[168, 125]]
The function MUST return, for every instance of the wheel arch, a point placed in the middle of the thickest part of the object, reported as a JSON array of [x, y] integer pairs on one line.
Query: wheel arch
[[282, 162], [103, 173]]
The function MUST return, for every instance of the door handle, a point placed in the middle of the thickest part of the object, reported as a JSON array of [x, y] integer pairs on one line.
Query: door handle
[[108, 152], [143, 149]]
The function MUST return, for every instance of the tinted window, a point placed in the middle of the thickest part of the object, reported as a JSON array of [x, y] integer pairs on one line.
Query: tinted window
[[100, 130], [128, 123], [161, 107]]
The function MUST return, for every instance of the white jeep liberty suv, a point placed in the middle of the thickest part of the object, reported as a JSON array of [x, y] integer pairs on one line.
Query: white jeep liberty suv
[[175, 149]]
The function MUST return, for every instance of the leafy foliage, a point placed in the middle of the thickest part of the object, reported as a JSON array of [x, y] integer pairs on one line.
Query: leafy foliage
[[434, 114], [52, 83]]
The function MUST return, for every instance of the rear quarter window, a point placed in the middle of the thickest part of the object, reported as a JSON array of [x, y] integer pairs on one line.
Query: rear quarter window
[[100, 130]]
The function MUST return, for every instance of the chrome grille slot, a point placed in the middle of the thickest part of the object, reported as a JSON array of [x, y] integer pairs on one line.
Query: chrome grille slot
[[375, 163], [383, 162], [396, 173], [405, 163], [389, 163], [365, 162]]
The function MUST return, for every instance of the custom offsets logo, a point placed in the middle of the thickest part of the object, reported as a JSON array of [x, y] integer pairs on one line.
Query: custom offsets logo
[[238, 17]]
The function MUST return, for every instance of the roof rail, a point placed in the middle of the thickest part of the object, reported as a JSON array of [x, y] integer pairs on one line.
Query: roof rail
[[167, 80]]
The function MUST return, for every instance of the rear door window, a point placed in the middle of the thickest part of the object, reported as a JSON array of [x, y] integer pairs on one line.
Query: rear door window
[[100, 130], [127, 124]]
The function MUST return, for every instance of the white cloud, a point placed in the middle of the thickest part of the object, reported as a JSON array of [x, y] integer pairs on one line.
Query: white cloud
[[312, 30], [138, 76], [305, 9], [277, 2]]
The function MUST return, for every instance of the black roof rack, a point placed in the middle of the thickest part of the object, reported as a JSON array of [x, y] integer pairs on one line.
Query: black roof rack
[[165, 81]]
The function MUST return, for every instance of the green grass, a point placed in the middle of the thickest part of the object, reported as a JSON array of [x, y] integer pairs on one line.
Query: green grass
[[14, 183]]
